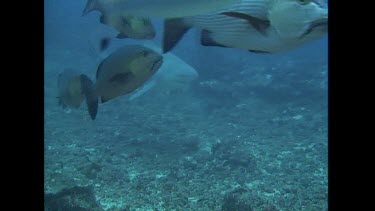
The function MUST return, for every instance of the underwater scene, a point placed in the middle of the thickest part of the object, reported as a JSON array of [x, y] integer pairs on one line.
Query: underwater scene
[[174, 105]]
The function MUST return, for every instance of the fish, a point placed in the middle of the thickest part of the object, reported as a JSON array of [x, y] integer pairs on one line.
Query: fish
[[157, 8], [74, 88], [69, 89], [122, 72], [129, 26], [174, 75], [259, 26]]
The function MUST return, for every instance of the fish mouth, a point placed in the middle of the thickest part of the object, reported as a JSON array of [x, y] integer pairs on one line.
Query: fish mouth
[[321, 24]]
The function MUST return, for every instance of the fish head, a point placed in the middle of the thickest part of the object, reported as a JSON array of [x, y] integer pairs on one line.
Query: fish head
[[299, 19], [145, 61]]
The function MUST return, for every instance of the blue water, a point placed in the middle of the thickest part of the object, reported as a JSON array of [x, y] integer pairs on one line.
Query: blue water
[[249, 133]]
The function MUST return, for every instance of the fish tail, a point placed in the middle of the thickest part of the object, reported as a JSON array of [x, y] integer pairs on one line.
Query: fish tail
[[88, 89], [60, 102], [90, 6], [174, 30]]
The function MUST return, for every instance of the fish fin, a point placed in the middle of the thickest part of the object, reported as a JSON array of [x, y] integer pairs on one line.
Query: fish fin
[[140, 91], [104, 43], [103, 19], [258, 51], [260, 25], [206, 39], [98, 70], [61, 102], [121, 36], [91, 5], [174, 29], [88, 89], [122, 78], [104, 99]]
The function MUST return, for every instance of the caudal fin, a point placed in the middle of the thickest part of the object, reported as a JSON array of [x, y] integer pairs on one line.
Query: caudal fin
[[174, 29], [88, 89], [90, 6]]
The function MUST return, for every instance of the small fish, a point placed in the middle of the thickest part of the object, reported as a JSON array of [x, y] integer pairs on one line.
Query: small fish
[[129, 26], [157, 8], [69, 89], [260, 26], [73, 88], [122, 72]]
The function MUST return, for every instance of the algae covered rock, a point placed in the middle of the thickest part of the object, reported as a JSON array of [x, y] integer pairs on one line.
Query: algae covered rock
[[74, 199]]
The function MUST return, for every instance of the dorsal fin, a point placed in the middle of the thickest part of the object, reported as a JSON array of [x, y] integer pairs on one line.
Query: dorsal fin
[[174, 29]]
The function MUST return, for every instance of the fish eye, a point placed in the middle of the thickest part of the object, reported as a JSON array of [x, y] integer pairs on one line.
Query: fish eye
[[304, 2]]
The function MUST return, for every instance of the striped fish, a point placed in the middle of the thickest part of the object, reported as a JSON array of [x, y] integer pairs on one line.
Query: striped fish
[[262, 26], [158, 8]]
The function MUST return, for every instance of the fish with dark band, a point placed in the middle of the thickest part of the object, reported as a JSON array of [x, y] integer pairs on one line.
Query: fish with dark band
[[157, 8], [261, 26], [122, 72]]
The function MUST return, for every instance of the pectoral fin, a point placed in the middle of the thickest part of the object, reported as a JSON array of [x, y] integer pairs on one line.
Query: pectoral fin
[[88, 89], [121, 78], [260, 25], [104, 43]]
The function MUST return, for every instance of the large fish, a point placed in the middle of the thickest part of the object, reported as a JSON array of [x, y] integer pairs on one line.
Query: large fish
[[255, 25], [173, 76], [73, 88], [157, 8], [122, 72]]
